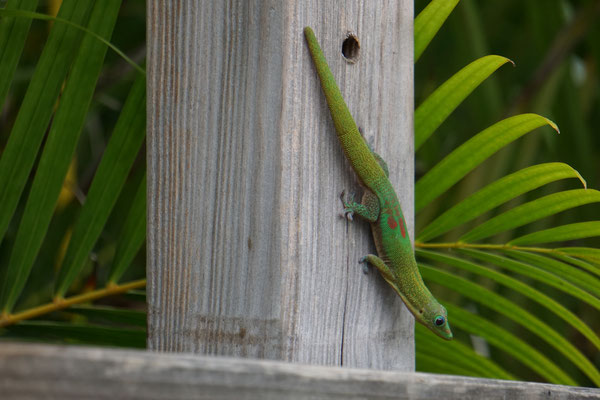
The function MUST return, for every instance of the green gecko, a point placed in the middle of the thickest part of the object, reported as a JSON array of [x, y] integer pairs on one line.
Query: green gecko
[[380, 206]]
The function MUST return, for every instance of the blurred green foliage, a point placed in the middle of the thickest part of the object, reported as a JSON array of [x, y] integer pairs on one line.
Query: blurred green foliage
[[105, 109], [555, 46]]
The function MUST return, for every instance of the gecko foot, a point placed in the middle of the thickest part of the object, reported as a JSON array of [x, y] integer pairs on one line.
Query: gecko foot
[[348, 211], [365, 265]]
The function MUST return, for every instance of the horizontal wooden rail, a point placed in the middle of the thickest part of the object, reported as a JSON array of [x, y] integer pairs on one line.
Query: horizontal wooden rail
[[67, 372]]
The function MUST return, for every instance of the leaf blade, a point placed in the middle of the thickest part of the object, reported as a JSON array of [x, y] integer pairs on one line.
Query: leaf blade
[[13, 32], [576, 276], [427, 362], [579, 230], [37, 108], [536, 273], [532, 211], [429, 21], [514, 312], [589, 267], [528, 291], [499, 337], [496, 193], [586, 253], [110, 177], [35, 15], [133, 235], [472, 153], [440, 104], [58, 152], [457, 355]]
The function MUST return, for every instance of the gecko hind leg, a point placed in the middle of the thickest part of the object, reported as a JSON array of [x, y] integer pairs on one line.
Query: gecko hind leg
[[384, 270], [368, 209], [378, 263]]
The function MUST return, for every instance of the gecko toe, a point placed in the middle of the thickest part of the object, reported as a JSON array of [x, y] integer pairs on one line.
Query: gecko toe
[[365, 265], [349, 215]]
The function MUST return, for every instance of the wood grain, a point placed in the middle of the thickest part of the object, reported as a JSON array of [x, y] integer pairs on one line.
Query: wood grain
[[30, 371], [247, 254]]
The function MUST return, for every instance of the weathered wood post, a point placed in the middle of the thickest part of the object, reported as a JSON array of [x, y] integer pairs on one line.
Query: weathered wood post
[[247, 254]]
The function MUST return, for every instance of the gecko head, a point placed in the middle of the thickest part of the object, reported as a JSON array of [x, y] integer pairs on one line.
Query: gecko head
[[435, 317]]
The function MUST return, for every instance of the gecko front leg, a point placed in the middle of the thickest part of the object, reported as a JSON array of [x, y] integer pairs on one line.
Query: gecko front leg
[[368, 209]]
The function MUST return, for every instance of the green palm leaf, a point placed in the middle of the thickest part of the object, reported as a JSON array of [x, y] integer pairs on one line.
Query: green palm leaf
[[572, 271], [28, 15], [13, 32], [429, 21], [472, 153], [112, 172], [436, 108], [133, 235], [532, 211], [514, 284], [428, 361], [37, 108], [58, 151], [504, 340], [549, 278], [591, 268], [579, 230], [586, 253], [565, 271], [516, 313], [457, 357], [496, 193]]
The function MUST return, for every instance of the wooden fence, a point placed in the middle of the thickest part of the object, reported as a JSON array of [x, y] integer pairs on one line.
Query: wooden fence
[[30, 371]]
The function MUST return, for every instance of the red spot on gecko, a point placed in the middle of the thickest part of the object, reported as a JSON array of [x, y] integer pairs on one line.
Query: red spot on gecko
[[391, 221], [402, 228]]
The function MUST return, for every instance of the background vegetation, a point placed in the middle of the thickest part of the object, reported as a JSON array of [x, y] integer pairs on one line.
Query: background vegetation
[[554, 44]]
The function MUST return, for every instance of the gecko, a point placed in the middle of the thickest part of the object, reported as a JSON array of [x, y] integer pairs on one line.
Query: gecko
[[380, 206]]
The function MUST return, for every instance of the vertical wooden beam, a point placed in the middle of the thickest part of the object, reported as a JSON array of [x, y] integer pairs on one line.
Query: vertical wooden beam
[[247, 254]]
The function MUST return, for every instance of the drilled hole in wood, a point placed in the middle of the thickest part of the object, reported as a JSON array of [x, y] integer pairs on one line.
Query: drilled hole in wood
[[351, 48]]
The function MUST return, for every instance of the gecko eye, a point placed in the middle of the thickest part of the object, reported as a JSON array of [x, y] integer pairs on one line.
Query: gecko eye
[[439, 320]]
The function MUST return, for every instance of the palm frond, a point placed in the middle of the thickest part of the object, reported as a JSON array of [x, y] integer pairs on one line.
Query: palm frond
[[13, 33], [495, 194], [58, 151], [433, 111], [77, 45], [472, 153], [508, 278], [133, 235], [429, 21], [112, 172], [36, 110], [513, 311], [579, 230]]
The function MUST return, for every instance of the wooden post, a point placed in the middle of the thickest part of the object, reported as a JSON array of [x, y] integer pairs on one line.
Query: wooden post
[[247, 253]]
